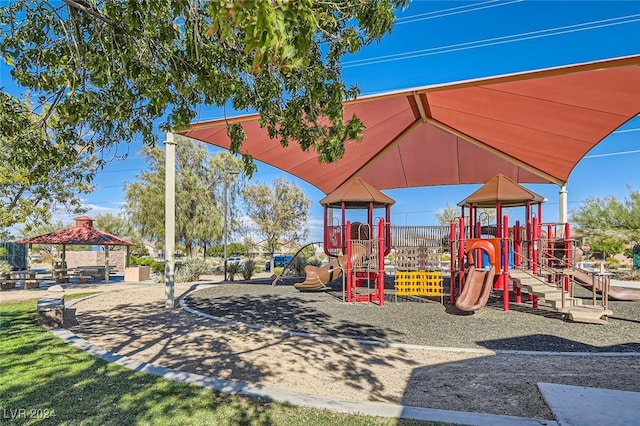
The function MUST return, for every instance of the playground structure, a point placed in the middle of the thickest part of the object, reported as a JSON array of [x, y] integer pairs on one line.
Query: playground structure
[[534, 259], [359, 248], [537, 259]]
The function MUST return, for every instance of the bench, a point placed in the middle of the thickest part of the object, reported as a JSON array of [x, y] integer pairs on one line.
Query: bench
[[81, 279], [51, 312], [7, 284], [29, 284]]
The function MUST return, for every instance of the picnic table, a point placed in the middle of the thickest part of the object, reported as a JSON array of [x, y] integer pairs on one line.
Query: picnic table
[[82, 274], [26, 278]]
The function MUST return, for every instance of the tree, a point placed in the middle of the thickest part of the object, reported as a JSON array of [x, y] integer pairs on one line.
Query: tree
[[37, 175], [610, 223], [119, 226], [447, 214], [280, 211], [109, 70], [227, 182], [41, 229], [198, 215]]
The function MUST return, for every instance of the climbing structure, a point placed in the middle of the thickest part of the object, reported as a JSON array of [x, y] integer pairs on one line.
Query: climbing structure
[[344, 237]]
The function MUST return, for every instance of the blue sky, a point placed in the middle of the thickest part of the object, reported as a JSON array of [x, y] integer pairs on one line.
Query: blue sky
[[445, 41]]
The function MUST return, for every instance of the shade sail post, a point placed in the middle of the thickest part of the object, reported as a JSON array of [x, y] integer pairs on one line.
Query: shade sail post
[[170, 221], [563, 204]]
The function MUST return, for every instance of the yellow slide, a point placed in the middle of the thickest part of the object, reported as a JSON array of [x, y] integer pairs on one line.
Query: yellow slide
[[318, 277]]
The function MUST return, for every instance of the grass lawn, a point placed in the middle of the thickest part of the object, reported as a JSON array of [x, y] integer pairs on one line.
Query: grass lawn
[[45, 381]]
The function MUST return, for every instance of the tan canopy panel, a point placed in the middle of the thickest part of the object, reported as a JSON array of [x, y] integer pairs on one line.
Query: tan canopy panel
[[502, 189], [533, 127], [82, 233], [356, 193]]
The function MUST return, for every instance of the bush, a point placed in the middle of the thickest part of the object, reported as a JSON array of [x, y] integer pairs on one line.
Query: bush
[[233, 268], [4, 266], [155, 266], [298, 264], [628, 275], [612, 263], [248, 268], [191, 269]]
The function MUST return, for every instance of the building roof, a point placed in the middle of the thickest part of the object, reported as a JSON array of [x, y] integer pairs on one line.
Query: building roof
[[533, 127]]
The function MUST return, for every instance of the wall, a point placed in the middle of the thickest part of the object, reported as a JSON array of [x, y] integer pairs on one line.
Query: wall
[[96, 258]]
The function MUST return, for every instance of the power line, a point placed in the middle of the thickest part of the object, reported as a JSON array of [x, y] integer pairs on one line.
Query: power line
[[635, 151], [452, 11], [627, 130], [622, 20], [122, 170]]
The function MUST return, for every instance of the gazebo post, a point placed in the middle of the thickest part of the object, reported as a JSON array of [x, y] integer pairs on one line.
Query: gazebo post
[[106, 263]]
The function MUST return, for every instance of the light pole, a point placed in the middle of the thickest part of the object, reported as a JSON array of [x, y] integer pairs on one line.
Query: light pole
[[224, 226]]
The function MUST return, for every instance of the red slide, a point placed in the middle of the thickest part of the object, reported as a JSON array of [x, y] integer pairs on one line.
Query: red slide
[[478, 283], [615, 292], [477, 288]]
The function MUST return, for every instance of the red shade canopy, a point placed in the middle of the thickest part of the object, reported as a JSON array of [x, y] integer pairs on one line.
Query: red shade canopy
[[533, 127], [82, 233]]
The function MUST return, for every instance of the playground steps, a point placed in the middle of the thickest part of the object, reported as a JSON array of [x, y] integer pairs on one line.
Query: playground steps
[[553, 296], [588, 314], [538, 287]]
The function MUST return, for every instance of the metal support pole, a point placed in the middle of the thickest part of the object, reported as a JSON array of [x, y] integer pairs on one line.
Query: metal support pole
[[170, 221], [380, 277], [227, 176], [504, 277], [452, 256], [224, 228], [563, 204]]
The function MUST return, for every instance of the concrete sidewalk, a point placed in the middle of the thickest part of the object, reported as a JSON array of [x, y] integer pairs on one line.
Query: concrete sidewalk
[[582, 406]]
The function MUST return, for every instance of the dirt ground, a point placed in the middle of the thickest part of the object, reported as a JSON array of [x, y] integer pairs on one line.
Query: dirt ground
[[130, 319]]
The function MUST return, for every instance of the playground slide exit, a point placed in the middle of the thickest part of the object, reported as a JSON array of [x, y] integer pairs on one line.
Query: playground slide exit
[[318, 277]]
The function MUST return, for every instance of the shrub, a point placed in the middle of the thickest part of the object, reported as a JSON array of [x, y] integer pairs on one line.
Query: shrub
[[4, 266], [298, 264], [612, 263], [248, 268], [233, 268], [155, 266], [314, 261], [628, 275], [191, 269]]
